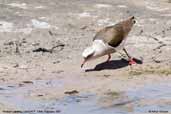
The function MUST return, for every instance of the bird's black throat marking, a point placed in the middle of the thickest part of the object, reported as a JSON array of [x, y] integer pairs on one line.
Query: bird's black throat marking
[[115, 45]]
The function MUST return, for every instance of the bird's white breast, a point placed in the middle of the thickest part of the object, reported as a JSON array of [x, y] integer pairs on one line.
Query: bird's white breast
[[102, 48], [88, 51]]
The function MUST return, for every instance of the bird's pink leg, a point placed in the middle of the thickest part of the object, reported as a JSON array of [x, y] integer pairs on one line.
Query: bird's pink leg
[[109, 57], [131, 60]]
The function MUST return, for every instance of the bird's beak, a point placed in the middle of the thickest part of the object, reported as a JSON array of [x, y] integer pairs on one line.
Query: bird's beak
[[84, 61]]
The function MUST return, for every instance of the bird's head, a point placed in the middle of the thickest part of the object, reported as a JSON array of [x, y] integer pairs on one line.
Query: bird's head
[[128, 24], [87, 54], [132, 19]]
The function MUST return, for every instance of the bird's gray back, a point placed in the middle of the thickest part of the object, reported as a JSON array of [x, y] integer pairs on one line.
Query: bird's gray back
[[112, 35]]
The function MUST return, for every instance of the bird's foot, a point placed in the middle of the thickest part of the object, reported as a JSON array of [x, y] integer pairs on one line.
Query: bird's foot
[[131, 61]]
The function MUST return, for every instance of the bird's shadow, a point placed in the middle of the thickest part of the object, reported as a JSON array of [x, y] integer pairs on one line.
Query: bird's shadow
[[113, 64]]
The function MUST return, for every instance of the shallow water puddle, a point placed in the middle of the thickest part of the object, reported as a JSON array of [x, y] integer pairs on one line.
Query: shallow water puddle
[[152, 97], [156, 97]]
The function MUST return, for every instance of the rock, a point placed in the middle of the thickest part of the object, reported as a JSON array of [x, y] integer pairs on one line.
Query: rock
[[156, 60], [56, 62], [60, 71], [9, 43], [71, 92], [40, 95], [106, 75], [35, 44], [84, 27], [20, 85], [49, 50], [50, 32], [28, 82]]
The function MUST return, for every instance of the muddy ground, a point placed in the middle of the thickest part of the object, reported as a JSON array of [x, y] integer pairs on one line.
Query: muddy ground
[[30, 29]]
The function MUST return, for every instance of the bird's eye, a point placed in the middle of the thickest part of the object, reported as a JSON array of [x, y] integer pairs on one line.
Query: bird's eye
[[134, 21]]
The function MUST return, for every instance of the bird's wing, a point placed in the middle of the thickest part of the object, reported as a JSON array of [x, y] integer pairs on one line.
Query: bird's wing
[[112, 35]]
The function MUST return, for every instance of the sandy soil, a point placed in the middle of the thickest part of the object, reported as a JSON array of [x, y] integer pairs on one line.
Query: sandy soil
[[42, 24]]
